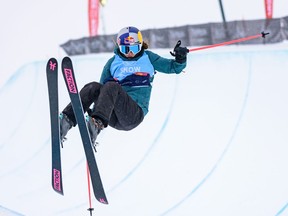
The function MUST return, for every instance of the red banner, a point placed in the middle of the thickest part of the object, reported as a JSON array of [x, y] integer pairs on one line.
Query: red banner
[[93, 13], [269, 9]]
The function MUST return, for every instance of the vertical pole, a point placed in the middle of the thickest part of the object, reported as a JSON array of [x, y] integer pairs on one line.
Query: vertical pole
[[224, 19], [222, 11], [90, 209]]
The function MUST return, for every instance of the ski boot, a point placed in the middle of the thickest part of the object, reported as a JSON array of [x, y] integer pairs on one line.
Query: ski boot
[[94, 126], [65, 125]]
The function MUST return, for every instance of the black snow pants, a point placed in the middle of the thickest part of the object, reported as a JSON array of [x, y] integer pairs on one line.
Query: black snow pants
[[112, 105]]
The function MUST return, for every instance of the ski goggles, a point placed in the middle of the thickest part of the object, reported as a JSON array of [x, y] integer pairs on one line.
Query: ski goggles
[[133, 48]]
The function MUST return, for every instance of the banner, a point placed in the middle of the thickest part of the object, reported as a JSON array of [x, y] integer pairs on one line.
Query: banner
[[269, 9], [93, 14], [190, 35]]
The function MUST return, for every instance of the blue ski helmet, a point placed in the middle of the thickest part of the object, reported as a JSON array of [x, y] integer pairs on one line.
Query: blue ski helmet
[[129, 39]]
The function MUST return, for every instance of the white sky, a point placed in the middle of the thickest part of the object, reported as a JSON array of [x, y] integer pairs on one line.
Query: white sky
[[33, 30]]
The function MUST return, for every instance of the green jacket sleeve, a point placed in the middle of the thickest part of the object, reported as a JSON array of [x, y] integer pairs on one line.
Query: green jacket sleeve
[[165, 65]]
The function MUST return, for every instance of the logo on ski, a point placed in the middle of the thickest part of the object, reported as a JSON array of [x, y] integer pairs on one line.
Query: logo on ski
[[52, 65], [70, 80], [102, 200], [57, 179]]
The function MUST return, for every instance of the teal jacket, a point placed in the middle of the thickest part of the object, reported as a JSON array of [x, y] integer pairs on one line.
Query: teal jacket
[[142, 94]]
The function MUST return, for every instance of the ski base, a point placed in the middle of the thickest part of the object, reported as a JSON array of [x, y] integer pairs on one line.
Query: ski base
[[69, 77], [52, 81]]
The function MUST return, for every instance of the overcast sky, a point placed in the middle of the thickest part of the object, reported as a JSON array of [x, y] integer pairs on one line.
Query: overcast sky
[[33, 30]]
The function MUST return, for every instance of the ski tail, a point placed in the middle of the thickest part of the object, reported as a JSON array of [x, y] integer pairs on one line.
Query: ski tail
[[52, 81]]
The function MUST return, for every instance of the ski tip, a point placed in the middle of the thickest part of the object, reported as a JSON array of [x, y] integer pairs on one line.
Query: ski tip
[[52, 59], [66, 58], [66, 61], [51, 64]]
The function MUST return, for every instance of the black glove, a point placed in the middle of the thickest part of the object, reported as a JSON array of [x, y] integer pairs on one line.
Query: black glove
[[180, 53]]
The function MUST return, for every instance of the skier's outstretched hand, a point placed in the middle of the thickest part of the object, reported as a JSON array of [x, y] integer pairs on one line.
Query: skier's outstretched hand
[[180, 53]]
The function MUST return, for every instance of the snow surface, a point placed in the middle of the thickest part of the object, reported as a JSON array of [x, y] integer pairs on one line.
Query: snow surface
[[214, 141]]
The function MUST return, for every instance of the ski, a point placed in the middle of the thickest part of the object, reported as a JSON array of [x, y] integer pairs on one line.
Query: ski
[[52, 81], [69, 77]]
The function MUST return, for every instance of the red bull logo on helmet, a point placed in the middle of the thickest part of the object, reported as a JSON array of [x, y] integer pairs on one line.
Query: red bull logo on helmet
[[129, 40]]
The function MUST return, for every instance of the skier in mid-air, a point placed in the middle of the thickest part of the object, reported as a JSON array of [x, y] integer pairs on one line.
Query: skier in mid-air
[[122, 96]]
